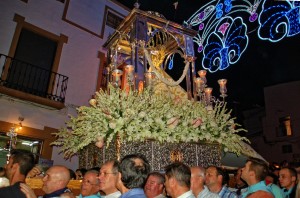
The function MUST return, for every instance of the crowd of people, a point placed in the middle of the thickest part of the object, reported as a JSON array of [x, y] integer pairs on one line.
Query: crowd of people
[[132, 178]]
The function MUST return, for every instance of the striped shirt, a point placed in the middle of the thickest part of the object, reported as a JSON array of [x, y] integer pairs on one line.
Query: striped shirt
[[205, 193], [226, 193]]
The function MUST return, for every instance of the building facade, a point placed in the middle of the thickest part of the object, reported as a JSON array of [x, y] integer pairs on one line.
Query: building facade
[[279, 136], [51, 63]]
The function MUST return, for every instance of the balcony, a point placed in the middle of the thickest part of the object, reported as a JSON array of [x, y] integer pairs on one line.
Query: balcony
[[29, 82]]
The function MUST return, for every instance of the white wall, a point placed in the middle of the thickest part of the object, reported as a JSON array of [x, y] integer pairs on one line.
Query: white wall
[[79, 60]]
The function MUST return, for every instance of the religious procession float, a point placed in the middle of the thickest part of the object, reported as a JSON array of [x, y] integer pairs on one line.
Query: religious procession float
[[142, 109]]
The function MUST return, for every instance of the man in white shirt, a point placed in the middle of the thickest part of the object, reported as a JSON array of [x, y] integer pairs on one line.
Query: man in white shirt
[[108, 177], [197, 183], [178, 181], [154, 186]]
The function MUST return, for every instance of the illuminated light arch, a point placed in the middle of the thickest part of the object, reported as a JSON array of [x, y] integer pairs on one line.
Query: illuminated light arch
[[225, 44], [222, 38], [279, 19], [276, 20]]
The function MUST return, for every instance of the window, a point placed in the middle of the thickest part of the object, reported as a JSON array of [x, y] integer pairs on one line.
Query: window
[[25, 143], [30, 69], [33, 74], [284, 128], [113, 20], [287, 148], [36, 140]]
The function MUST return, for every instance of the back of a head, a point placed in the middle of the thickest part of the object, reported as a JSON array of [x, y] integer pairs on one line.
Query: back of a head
[[225, 175], [134, 170], [24, 158], [72, 174], [180, 172], [2, 172], [260, 167], [80, 173], [274, 177]]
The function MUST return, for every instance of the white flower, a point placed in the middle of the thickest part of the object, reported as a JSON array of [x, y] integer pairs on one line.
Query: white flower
[[112, 125], [207, 136], [142, 114], [93, 102], [213, 124], [219, 140], [138, 116]]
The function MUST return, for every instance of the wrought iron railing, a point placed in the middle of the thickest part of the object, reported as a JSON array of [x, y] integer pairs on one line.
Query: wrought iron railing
[[28, 78]]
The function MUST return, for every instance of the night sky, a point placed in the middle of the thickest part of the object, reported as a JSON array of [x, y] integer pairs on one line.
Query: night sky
[[262, 64]]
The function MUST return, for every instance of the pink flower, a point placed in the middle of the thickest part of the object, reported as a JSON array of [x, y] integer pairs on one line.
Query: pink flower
[[100, 142], [177, 100], [172, 122], [106, 111], [196, 122]]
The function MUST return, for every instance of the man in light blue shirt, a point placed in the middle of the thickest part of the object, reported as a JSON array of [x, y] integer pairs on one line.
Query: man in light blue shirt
[[133, 172], [288, 181], [90, 185], [254, 174], [216, 180]]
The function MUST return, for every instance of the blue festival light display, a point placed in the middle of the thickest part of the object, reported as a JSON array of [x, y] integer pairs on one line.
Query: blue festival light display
[[223, 28], [171, 63], [225, 44], [279, 19]]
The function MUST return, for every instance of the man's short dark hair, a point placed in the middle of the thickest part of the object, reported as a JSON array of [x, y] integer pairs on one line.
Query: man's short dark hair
[[161, 177], [274, 177], [134, 169], [223, 173], [260, 167], [72, 174], [115, 165], [180, 172], [293, 172], [24, 158]]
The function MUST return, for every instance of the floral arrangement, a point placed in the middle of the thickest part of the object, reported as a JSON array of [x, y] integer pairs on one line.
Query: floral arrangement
[[135, 116]]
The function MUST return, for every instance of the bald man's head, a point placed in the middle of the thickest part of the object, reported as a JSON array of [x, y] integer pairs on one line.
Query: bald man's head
[[56, 178]]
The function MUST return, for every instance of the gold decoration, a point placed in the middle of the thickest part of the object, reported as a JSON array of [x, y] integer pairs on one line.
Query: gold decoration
[[157, 55], [176, 156], [118, 147]]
